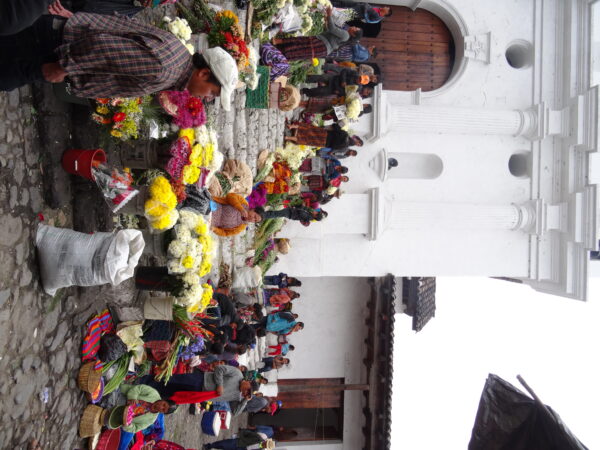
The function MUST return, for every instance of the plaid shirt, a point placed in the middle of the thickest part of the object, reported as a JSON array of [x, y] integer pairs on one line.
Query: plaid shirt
[[111, 56]]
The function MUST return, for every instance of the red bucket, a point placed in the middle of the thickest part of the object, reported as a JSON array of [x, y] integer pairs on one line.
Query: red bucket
[[80, 162]]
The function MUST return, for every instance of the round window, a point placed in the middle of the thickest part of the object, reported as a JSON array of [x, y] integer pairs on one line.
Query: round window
[[519, 54]]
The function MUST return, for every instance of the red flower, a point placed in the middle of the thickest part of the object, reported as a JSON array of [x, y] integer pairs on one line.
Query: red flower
[[119, 117], [103, 101], [228, 37]]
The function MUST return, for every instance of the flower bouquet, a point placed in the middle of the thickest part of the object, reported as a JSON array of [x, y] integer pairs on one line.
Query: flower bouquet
[[115, 185], [226, 32], [121, 117], [180, 29], [159, 209], [187, 111], [193, 152]]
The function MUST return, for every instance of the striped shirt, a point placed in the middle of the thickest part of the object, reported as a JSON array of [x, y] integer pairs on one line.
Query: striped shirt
[[113, 56]]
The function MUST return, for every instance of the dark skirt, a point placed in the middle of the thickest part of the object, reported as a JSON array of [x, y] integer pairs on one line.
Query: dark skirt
[[319, 105], [302, 47], [310, 135], [316, 182]]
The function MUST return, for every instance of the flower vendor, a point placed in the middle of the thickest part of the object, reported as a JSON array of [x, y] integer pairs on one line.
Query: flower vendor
[[149, 404], [365, 12], [231, 214], [113, 56], [332, 137], [308, 47], [281, 280], [225, 383], [336, 80]]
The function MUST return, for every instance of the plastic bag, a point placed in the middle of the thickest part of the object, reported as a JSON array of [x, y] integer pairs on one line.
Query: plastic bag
[[116, 186], [111, 348], [69, 258], [246, 278]]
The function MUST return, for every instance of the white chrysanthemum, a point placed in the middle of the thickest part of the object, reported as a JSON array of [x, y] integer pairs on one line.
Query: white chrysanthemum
[[182, 233], [202, 136], [191, 279], [176, 248], [189, 219], [174, 267], [190, 48]]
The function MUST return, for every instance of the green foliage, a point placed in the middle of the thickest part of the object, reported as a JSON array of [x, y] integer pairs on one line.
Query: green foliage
[[122, 364]]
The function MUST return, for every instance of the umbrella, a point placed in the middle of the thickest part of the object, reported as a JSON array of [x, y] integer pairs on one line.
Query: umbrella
[[507, 419]]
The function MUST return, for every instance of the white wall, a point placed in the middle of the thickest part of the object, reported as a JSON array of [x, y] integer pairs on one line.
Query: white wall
[[332, 344]]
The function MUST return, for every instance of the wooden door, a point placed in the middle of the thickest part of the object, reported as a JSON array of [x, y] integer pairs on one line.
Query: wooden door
[[415, 49], [311, 392]]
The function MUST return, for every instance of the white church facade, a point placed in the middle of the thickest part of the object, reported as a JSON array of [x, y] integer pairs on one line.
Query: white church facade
[[495, 172], [496, 177]]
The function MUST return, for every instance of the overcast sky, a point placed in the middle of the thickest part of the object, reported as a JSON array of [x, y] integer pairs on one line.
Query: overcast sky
[[483, 326]]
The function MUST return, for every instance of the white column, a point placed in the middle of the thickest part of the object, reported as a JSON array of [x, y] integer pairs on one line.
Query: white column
[[461, 216], [448, 120]]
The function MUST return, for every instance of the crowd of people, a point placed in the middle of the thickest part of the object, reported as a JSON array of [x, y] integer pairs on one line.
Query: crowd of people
[[249, 334], [222, 373]]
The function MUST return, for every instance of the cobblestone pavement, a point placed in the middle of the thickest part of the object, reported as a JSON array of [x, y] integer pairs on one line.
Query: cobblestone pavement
[[40, 335]]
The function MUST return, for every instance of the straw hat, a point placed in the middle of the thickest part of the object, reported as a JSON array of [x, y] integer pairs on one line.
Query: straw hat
[[269, 444], [291, 99], [283, 246]]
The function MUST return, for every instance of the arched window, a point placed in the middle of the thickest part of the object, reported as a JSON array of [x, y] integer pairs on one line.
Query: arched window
[[415, 49], [425, 166]]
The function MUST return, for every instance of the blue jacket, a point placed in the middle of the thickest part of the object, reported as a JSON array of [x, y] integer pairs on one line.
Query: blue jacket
[[279, 323]]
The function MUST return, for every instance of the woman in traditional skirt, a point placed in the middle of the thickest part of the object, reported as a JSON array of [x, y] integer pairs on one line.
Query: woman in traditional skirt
[[321, 105], [332, 137], [308, 47]]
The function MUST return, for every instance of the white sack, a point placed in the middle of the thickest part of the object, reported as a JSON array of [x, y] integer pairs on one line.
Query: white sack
[[70, 258]]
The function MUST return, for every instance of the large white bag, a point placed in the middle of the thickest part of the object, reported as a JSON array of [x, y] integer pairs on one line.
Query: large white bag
[[70, 258]]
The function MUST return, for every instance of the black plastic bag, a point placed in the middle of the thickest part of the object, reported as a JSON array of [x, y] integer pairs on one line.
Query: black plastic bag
[[507, 419], [111, 348]]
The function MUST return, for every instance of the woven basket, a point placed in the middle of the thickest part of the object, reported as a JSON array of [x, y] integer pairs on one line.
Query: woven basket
[[88, 378], [90, 422]]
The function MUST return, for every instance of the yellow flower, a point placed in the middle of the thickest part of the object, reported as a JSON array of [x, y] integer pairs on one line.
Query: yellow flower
[[116, 133], [102, 110], [161, 191], [205, 268], [190, 174], [187, 262], [187, 132], [315, 62], [207, 294], [154, 208], [126, 170], [196, 155]]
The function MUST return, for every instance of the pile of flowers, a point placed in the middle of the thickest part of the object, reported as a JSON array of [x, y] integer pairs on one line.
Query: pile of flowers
[[312, 14], [160, 206], [193, 151], [191, 251], [120, 116], [195, 297], [187, 111], [180, 29], [226, 32]]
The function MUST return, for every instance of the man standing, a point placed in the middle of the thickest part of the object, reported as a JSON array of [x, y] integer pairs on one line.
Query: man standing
[[112, 56]]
